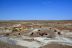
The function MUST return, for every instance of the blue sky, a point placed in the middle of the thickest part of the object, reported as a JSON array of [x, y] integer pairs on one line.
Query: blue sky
[[35, 9]]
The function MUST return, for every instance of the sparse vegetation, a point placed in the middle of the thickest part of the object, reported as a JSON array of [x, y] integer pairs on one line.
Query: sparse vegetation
[[29, 30]]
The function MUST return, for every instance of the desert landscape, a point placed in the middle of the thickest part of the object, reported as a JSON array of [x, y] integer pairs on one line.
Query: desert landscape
[[36, 34]]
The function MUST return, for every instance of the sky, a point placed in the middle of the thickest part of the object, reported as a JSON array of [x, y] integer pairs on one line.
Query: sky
[[35, 9]]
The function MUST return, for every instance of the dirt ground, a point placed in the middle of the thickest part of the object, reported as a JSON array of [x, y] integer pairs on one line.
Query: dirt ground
[[56, 46], [61, 25], [5, 45]]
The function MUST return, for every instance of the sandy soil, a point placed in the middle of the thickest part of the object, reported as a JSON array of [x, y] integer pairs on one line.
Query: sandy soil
[[6, 45], [56, 46]]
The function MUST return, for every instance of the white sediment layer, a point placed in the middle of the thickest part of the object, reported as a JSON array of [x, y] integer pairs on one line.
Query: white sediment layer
[[38, 41]]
